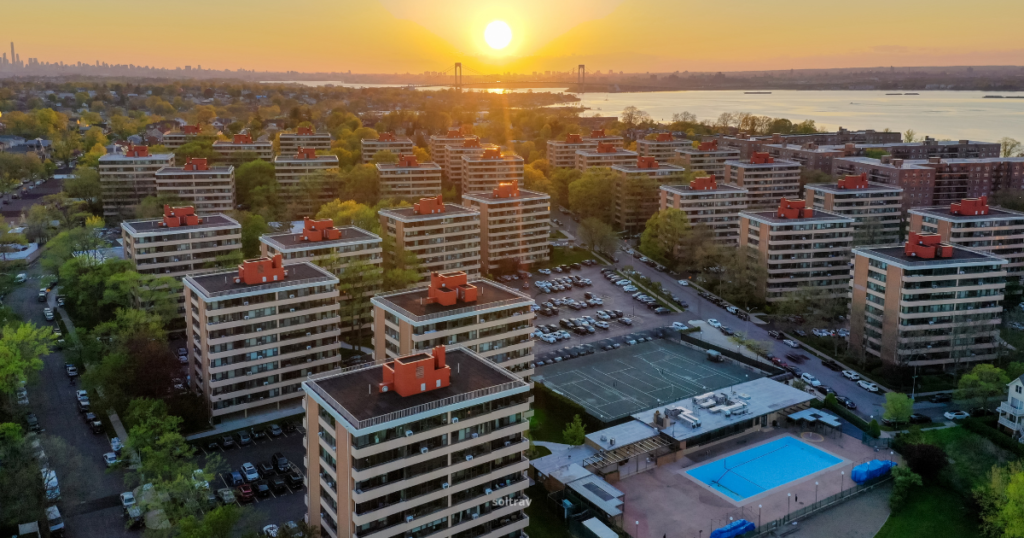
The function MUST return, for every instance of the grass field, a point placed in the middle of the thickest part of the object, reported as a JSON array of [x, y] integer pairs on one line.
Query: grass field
[[971, 456], [931, 512], [563, 255]]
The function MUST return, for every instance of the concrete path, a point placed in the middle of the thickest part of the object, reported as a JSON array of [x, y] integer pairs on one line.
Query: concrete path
[[553, 447], [860, 517]]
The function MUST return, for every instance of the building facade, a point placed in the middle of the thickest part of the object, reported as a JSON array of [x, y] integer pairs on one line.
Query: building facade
[[444, 237], [485, 172], [385, 142], [431, 443], [708, 203], [242, 149], [766, 179], [917, 182], [303, 137], [207, 188], [258, 332], [973, 224], [801, 248], [1011, 410], [636, 190], [663, 147], [409, 179], [876, 209], [126, 178], [926, 304], [562, 153], [515, 224], [810, 155], [455, 153], [291, 169], [604, 155], [707, 157], [439, 146], [175, 139]]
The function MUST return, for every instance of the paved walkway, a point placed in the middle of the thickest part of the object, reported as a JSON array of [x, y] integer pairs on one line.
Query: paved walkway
[[860, 517]]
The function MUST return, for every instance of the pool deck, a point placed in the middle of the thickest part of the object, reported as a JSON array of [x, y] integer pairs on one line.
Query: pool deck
[[667, 502]]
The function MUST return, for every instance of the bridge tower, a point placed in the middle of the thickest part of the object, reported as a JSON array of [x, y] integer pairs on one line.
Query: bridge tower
[[458, 76], [581, 76]]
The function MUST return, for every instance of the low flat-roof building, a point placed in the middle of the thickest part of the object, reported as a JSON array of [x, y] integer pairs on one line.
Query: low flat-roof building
[[810, 155], [917, 182], [175, 139], [409, 179], [801, 247], [973, 224], [515, 224], [708, 203], [303, 137], [486, 171], [876, 209], [444, 237], [291, 169], [766, 179], [336, 249], [429, 443], [706, 156], [926, 304], [636, 190], [126, 178], [207, 188], [663, 147], [242, 149], [605, 155], [257, 333], [562, 153], [481, 315], [385, 142]]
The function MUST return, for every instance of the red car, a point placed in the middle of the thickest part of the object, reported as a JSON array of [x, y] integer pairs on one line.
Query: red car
[[245, 493]]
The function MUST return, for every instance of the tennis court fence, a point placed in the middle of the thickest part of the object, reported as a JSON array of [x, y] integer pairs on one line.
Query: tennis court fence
[[818, 506]]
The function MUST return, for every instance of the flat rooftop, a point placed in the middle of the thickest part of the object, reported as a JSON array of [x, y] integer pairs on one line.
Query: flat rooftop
[[223, 283], [354, 393], [293, 241], [871, 188], [152, 156], [894, 255], [422, 166], [408, 214], [489, 198], [942, 213], [153, 225], [798, 147], [318, 158], [232, 143], [594, 153], [409, 303], [721, 149], [685, 190], [761, 396], [662, 169], [957, 160], [878, 163], [215, 169], [771, 217], [480, 158], [747, 164]]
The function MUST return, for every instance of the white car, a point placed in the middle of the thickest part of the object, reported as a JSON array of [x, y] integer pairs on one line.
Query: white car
[[601, 324], [810, 379], [249, 472], [791, 343], [544, 271], [956, 415], [115, 444], [684, 282], [110, 459], [715, 323], [127, 499], [81, 394], [679, 325], [629, 289], [549, 338], [868, 386], [563, 335], [851, 375], [630, 342]]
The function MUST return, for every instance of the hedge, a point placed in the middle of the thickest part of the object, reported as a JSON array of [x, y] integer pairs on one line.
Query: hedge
[[1001, 440], [850, 416]]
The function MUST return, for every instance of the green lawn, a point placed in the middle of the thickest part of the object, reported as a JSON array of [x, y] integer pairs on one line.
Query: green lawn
[[971, 456], [544, 522], [931, 512], [557, 234], [563, 255]]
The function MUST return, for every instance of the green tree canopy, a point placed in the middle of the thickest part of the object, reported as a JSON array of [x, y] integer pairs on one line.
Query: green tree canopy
[[593, 195], [22, 347], [981, 384], [897, 407], [575, 432], [664, 232]]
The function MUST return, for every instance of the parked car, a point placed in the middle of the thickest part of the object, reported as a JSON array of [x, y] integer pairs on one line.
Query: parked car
[[918, 418], [227, 442], [262, 488], [941, 398], [810, 379], [775, 334], [277, 485], [111, 459], [245, 493], [851, 375], [848, 403], [249, 472], [226, 496], [868, 386], [294, 479], [791, 343], [625, 321], [280, 462], [265, 469], [714, 323], [235, 479], [127, 499], [244, 439], [956, 415]]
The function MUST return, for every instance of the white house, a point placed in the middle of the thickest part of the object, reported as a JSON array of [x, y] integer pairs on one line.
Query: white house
[[1011, 412]]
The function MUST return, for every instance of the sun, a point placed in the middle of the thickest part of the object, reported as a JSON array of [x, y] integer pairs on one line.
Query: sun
[[498, 35]]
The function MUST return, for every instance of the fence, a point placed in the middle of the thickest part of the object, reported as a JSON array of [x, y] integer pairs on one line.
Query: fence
[[817, 506], [768, 368]]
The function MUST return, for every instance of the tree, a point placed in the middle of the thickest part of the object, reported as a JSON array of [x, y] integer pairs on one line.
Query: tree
[[64, 144], [1010, 147], [663, 234], [401, 267], [362, 185], [575, 432], [200, 148], [981, 384], [350, 212], [593, 195], [253, 181], [897, 407], [384, 156], [926, 460], [909, 136], [633, 116], [22, 347], [357, 281], [85, 185], [810, 176], [1001, 501], [23, 495], [597, 235], [903, 481], [253, 227], [874, 430], [561, 178]]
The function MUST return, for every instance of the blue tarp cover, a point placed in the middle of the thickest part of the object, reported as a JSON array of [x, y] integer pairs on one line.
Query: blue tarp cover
[[736, 528], [872, 469]]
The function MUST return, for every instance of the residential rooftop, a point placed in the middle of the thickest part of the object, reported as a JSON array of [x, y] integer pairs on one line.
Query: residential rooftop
[[223, 283], [685, 190], [154, 226], [120, 157], [398, 166], [834, 188], [771, 217], [293, 241], [413, 305], [943, 213], [774, 164], [906, 164], [213, 169], [490, 198], [896, 255], [408, 214]]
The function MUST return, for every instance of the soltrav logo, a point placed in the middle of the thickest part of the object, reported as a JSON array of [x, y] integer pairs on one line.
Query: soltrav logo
[[524, 502]]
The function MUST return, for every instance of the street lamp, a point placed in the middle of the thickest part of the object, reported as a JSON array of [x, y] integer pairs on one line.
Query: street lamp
[[637, 535], [842, 480], [789, 497], [759, 516], [815, 493]]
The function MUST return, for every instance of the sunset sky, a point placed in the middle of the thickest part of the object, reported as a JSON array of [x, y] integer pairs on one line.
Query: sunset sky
[[387, 36]]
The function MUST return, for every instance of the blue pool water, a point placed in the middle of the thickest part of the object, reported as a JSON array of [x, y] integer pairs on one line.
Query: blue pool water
[[762, 468]]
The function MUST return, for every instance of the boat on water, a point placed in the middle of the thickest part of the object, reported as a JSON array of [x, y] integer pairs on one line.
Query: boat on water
[[894, 94], [911, 94], [759, 93]]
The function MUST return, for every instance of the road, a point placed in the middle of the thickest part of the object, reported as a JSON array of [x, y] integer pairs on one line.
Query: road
[[869, 405]]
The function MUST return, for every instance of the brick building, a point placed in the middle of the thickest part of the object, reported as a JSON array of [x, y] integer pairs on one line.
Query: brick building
[[707, 202], [409, 179], [766, 179], [515, 224], [876, 209], [444, 237]]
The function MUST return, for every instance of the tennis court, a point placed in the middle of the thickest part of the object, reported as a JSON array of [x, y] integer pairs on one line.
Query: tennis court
[[762, 468], [614, 384]]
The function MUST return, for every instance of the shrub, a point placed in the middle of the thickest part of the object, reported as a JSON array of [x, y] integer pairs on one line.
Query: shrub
[[926, 460], [873, 429], [903, 480], [1000, 439]]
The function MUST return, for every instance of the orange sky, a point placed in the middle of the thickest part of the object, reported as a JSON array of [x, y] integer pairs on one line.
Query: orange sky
[[387, 36]]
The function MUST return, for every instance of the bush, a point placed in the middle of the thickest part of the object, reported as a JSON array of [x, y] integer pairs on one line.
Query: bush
[[903, 480], [1000, 439], [873, 429], [926, 460]]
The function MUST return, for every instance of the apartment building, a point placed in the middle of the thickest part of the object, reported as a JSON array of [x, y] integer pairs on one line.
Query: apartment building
[[926, 304], [917, 182], [483, 316], [444, 237], [438, 145], [876, 209], [748, 145], [1011, 410], [663, 147], [945, 149], [765, 178], [208, 189], [336, 249], [515, 224], [303, 137], [636, 190], [485, 172], [801, 247], [707, 202], [291, 169], [599, 136], [956, 179], [426, 444], [257, 333], [175, 139], [126, 178], [241, 149], [385, 142], [809, 154], [972, 223], [409, 179], [605, 155], [562, 153], [707, 157], [472, 148]]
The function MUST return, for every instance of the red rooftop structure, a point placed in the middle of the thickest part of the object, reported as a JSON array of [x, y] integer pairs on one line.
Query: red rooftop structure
[[319, 230], [304, 131], [447, 289], [416, 374], [131, 150], [854, 182], [408, 161], [708, 146], [665, 137], [704, 183], [794, 209], [386, 137], [190, 129], [508, 189], [261, 271], [473, 142], [175, 217], [606, 148], [429, 206], [761, 157], [194, 164], [491, 153], [573, 139], [646, 163], [306, 153], [970, 207], [242, 139], [927, 245]]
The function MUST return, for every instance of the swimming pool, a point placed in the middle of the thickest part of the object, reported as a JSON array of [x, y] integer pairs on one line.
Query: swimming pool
[[763, 467]]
